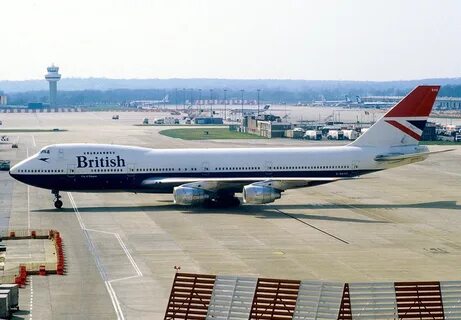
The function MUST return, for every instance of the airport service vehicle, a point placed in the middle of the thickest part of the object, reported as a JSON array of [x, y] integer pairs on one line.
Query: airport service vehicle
[[296, 133], [313, 135], [197, 176], [4, 165], [350, 134], [166, 120], [335, 135], [5, 140]]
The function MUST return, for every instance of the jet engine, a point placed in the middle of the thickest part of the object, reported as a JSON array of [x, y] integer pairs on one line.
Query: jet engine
[[260, 194], [188, 196]]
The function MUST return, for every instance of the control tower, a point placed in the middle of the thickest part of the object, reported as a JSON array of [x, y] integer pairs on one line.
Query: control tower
[[53, 77]]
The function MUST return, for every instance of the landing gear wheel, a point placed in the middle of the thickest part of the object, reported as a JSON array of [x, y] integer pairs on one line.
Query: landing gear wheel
[[234, 202], [57, 201], [223, 202], [58, 204]]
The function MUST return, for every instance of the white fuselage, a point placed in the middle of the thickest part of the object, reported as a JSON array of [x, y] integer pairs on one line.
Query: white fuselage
[[102, 167]]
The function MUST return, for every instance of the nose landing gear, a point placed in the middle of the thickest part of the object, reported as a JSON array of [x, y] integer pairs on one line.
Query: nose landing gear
[[57, 199]]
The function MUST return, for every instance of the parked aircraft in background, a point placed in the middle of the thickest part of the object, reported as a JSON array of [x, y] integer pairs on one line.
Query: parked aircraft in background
[[197, 176], [149, 104], [333, 103], [374, 104]]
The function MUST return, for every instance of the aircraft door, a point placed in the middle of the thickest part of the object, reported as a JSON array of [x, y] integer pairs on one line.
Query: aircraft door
[[206, 168], [130, 173], [130, 169], [268, 168], [70, 170], [354, 167]]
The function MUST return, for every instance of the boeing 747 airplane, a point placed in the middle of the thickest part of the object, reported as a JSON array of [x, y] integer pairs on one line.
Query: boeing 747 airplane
[[197, 176]]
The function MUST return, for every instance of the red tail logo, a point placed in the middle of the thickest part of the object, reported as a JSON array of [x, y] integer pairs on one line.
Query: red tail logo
[[417, 103], [410, 114], [406, 129]]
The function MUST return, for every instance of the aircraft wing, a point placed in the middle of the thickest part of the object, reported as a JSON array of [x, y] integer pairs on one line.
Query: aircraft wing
[[215, 184], [401, 156]]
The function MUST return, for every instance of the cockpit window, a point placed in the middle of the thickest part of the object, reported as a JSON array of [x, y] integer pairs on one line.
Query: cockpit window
[[47, 151]]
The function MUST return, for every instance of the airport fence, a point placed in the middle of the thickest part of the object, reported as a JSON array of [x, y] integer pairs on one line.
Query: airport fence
[[55, 265], [20, 234]]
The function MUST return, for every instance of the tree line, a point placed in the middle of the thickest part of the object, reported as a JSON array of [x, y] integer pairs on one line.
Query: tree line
[[180, 96]]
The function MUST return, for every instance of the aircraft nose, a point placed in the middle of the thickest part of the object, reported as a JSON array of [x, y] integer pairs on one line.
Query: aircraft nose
[[14, 170]]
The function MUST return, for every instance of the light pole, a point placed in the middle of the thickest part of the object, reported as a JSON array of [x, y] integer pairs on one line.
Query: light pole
[[211, 101], [176, 98], [241, 91], [184, 98], [225, 104], [258, 100], [200, 100]]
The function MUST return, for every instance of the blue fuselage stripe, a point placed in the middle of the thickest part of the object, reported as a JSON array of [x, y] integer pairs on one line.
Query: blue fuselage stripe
[[113, 182]]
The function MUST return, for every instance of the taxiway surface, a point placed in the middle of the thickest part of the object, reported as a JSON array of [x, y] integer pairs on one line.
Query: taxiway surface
[[121, 249]]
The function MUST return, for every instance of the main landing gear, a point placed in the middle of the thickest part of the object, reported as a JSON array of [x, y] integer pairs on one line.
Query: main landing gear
[[225, 201], [57, 199]]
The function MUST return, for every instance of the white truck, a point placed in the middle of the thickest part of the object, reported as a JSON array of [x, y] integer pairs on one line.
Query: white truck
[[167, 120], [313, 135], [350, 134], [335, 135]]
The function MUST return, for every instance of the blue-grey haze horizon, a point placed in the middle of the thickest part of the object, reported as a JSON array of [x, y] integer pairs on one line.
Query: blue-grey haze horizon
[[271, 39]]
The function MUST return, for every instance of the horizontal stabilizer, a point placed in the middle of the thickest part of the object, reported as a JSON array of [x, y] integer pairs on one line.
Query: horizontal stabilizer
[[401, 156]]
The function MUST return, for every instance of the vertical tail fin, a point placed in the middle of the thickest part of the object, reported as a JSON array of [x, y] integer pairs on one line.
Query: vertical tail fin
[[403, 124]]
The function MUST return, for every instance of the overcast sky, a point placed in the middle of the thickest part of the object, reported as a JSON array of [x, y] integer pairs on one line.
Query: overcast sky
[[246, 39]]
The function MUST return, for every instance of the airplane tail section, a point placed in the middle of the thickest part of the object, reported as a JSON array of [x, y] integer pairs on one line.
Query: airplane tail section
[[403, 124]]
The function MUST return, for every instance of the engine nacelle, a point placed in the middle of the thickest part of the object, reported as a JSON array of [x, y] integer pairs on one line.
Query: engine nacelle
[[188, 196], [260, 194]]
